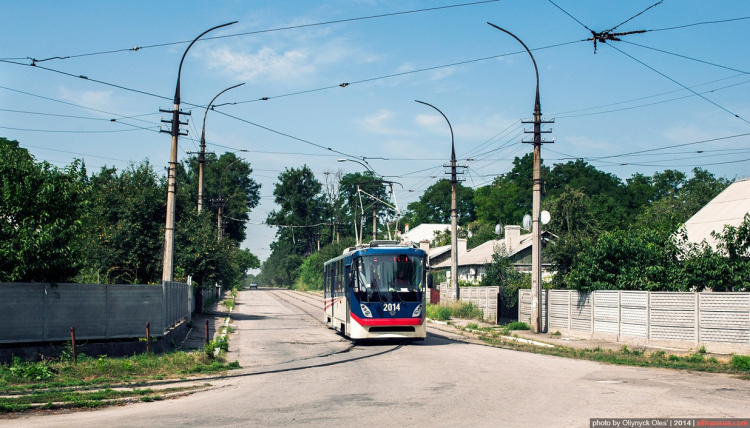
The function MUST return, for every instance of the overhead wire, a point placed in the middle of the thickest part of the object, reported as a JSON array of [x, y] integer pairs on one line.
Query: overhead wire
[[291, 27], [680, 84]]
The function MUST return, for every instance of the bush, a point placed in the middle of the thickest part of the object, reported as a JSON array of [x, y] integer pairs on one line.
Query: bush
[[437, 312], [518, 325], [741, 363]]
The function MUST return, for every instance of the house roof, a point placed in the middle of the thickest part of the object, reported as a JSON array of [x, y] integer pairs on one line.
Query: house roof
[[436, 251], [423, 232], [482, 254], [727, 208]]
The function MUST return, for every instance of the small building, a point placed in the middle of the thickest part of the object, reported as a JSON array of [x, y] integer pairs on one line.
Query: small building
[[423, 232], [728, 208], [471, 263]]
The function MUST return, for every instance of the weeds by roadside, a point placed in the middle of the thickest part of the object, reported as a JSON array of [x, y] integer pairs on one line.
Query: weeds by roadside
[[638, 356], [454, 310]]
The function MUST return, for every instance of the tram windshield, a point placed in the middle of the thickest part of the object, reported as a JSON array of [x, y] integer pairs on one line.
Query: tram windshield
[[386, 274]]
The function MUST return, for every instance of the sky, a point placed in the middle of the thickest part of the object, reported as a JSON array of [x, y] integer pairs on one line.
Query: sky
[[338, 79]]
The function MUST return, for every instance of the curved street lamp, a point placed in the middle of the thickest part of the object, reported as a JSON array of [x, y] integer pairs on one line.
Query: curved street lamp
[[202, 154], [168, 266], [536, 247], [454, 212]]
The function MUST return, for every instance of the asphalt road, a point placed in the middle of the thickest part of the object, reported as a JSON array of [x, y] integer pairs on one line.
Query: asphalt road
[[296, 372]]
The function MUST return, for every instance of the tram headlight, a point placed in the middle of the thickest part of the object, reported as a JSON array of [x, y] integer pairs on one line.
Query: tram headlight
[[366, 310], [417, 311]]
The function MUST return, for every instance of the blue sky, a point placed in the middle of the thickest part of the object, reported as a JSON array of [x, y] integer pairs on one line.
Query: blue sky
[[625, 109]]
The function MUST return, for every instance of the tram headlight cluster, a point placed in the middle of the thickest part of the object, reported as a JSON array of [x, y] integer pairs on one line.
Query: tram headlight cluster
[[417, 311], [366, 310]]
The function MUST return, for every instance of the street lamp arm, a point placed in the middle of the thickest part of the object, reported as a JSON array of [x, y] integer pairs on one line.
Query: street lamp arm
[[209, 107], [537, 107], [453, 151], [179, 70]]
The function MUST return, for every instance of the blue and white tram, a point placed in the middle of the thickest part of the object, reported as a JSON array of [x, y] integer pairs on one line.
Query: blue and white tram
[[377, 290]]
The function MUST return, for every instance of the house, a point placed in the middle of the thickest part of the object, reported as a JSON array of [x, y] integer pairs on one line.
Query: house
[[727, 208], [471, 263], [423, 232]]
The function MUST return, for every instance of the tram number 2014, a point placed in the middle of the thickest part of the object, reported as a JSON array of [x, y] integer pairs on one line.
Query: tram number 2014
[[391, 307]]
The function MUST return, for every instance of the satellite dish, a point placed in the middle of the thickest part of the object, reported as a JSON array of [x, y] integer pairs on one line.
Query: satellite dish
[[498, 229], [545, 217], [526, 222]]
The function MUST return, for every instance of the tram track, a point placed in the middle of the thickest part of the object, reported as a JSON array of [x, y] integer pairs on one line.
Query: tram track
[[311, 306]]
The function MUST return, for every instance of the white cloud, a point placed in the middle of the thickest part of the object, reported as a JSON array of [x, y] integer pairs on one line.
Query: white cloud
[[265, 63], [379, 123], [100, 100], [277, 62]]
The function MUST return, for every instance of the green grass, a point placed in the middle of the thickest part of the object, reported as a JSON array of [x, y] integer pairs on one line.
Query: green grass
[[454, 310], [89, 381], [638, 356]]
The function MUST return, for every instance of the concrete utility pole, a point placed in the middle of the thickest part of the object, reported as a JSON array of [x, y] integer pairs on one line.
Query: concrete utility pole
[[168, 266], [536, 245], [454, 212], [202, 154]]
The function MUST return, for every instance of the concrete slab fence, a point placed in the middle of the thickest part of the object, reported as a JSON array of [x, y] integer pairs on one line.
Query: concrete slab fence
[[45, 312], [484, 298], [654, 318]]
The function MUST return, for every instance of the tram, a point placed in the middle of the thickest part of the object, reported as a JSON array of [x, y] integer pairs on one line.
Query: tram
[[377, 291]]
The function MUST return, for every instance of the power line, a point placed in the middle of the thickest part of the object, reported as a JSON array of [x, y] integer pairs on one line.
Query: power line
[[562, 114], [649, 104], [678, 83], [404, 73], [339, 21], [687, 57]]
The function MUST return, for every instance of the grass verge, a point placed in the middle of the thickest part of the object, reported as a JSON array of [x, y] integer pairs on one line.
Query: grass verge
[[638, 356]]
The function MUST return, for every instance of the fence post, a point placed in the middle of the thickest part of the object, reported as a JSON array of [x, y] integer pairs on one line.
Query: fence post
[[206, 332], [593, 308], [648, 316], [73, 343], [619, 314], [697, 318], [148, 337], [570, 310]]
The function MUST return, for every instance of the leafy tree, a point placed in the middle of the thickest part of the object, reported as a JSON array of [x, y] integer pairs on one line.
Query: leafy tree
[[677, 199], [500, 272], [627, 260], [373, 192], [302, 209], [208, 260], [228, 178], [434, 206], [571, 220], [124, 226], [40, 208]]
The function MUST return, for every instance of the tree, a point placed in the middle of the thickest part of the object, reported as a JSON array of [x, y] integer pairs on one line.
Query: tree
[[677, 199], [40, 207], [124, 226], [302, 209], [365, 203], [207, 259], [572, 222], [228, 178], [434, 206], [642, 259], [501, 273]]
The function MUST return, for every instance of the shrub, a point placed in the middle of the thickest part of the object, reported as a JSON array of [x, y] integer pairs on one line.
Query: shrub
[[741, 363], [438, 312], [518, 325]]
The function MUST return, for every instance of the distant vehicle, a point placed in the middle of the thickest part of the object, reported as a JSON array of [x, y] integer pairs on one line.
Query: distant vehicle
[[254, 285], [377, 291]]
